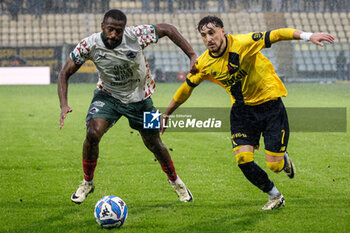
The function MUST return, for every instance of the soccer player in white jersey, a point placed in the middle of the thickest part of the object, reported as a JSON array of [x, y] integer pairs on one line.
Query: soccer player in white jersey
[[124, 89]]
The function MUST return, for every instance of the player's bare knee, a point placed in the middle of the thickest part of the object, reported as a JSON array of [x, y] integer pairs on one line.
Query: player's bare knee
[[244, 157], [93, 135], [95, 128]]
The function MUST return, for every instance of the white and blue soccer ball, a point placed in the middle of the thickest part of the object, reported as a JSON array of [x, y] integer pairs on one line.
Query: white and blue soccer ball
[[111, 211]]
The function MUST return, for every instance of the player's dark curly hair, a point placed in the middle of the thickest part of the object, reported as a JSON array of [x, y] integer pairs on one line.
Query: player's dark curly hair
[[115, 14], [210, 19]]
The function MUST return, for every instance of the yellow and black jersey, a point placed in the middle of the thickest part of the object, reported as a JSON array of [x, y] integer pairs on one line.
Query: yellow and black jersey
[[246, 74]]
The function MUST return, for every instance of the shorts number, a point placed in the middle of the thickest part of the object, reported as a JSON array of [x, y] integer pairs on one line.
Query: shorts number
[[283, 133]]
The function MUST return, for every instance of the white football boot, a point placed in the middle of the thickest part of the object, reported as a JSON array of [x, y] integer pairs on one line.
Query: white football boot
[[274, 203], [181, 190], [82, 192]]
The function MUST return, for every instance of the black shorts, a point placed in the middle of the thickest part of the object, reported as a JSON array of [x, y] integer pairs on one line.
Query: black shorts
[[269, 119]]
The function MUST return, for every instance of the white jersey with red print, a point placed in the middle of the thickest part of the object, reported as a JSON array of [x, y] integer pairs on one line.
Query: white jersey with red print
[[123, 71]]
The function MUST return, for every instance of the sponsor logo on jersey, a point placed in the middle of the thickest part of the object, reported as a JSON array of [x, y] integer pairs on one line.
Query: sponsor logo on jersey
[[101, 55], [257, 36], [235, 74], [122, 72], [233, 62], [234, 78], [131, 55]]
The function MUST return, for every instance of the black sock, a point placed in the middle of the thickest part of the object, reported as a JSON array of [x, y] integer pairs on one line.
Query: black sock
[[256, 176]]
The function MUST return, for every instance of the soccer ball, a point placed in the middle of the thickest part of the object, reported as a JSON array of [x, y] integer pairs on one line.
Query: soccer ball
[[110, 211]]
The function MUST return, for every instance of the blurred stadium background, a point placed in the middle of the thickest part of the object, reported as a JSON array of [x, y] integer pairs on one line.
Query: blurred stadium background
[[42, 33]]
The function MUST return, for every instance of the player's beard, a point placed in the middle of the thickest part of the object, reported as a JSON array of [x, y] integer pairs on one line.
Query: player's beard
[[112, 45], [218, 47]]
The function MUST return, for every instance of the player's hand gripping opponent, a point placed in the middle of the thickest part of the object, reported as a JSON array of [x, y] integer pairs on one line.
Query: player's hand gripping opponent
[[193, 62]]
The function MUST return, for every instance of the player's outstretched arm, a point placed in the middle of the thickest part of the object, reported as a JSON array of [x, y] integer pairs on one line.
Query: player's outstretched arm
[[293, 34], [62, 88], [171, 31], [181, 95]]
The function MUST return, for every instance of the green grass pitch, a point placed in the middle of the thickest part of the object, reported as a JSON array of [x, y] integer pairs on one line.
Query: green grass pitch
[[40, 167]]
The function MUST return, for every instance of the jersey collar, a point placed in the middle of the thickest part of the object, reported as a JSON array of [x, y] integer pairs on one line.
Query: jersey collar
[[222, 51]]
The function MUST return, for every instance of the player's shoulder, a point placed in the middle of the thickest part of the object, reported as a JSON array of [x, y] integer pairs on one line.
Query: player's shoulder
[[242, 40], [130, 30], [133, 33], [255, 36], [91, 40], [239, 38]]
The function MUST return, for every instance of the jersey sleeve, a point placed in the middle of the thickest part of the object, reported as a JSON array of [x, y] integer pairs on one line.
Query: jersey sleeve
[[282, 34], [193, 80], [146, 34], [183, 93], [81, 52], [251, 43]]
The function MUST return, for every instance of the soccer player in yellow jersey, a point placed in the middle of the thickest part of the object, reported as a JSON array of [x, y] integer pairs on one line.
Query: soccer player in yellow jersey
[[236, 63]]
